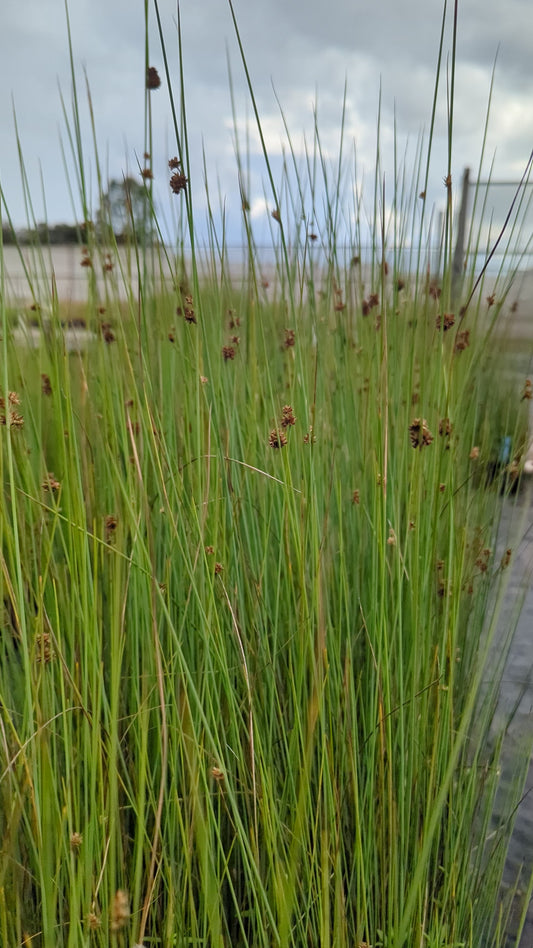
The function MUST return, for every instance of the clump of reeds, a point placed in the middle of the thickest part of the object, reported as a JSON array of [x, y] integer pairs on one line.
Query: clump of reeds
[[250, 593]]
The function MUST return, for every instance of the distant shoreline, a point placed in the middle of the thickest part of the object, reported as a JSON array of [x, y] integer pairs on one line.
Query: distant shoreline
[[61, 269]]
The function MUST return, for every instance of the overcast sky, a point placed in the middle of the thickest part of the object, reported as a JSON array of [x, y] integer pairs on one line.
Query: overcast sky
[[303, 53]]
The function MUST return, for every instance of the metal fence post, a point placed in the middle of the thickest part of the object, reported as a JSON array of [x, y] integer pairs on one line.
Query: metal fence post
[[459, 252]]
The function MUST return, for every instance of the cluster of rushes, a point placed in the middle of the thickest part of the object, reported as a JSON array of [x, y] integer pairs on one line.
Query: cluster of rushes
[[251, 571]]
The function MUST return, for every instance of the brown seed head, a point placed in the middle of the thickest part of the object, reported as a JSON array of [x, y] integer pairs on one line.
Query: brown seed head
[[173, 164], [51, 484], [228, 352], [76, 839], [44, 649], [287, 416], [277, 438], [445, 322], [120, 911], [152, 78], [12, 420], [528, 390], [506, 558], [482, 561], [94, 922], [178, 182], [290, 338], [462, 341], [46, 385], [107, 333], [445, 427], [419, 433]]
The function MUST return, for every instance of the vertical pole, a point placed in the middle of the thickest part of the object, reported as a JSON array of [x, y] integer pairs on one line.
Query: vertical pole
[[459, 252]]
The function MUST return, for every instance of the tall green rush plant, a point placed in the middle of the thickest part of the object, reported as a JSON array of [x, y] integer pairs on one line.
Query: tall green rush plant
[[250, 585]]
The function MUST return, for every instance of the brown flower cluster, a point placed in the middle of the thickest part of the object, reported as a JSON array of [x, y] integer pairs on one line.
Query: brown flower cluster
[[228, 352], [234, 320], [369, 304], [287, 417], [187, 310], [44, 649], [51, 484], [506, 558], [445, 428], [178, 181], [419, 433], [339, 305], [152, 78], [482, 561], [11, 418], [442, 583], [462, 340], [528, 390], [120, 911], [111, 523], [94, 922], [107, 333], [445, 322], [290, 339], [76, 840], [277, 438], [46, 385]]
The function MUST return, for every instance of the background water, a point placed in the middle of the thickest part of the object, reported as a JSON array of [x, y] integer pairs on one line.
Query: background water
[[516, 530]]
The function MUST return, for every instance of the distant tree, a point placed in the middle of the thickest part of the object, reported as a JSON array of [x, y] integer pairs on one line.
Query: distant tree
[[63, 234], [8, 234], [125, 209]]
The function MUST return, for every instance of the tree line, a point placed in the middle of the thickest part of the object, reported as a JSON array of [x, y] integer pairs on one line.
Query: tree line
[[124, 213]]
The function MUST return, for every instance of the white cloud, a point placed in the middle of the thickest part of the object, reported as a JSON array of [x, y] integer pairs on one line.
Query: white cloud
[[306, 52]]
